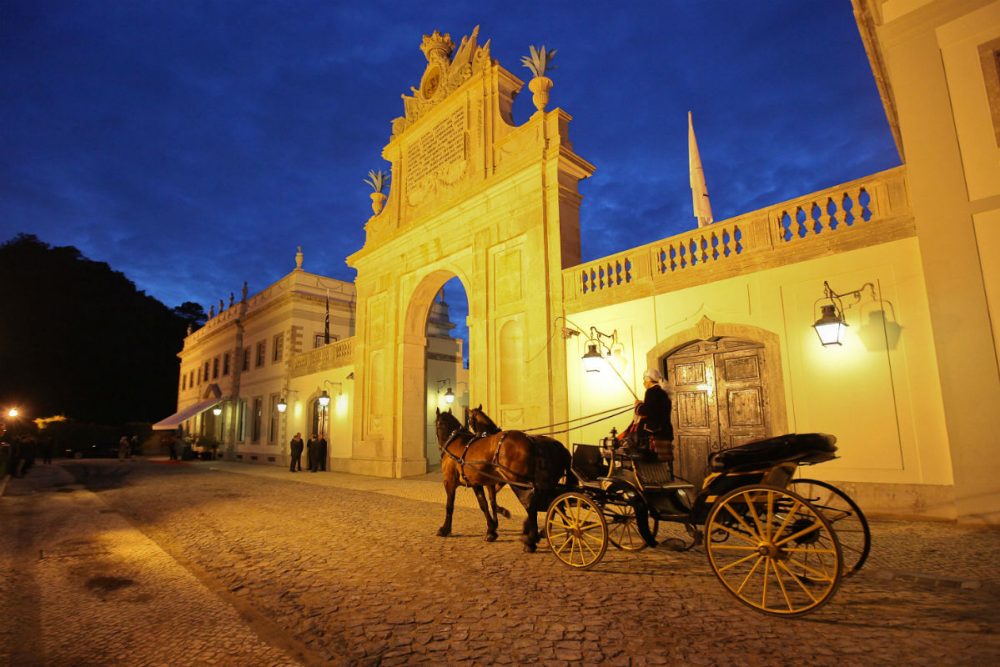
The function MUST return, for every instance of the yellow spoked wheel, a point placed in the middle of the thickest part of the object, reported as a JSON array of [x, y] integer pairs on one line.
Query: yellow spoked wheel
[[577, 531], [844, 515], [623, 531], [781, 556]]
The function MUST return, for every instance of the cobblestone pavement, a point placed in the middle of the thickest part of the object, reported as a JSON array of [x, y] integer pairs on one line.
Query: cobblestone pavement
[[269, 567]]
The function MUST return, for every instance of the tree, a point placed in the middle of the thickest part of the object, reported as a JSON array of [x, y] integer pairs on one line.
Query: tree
[[192, 313], [77, 338]]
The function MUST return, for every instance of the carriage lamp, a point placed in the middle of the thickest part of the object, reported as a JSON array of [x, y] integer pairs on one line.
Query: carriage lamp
[[449, 396], [830, 326], [324, 399], [592, 359], [13, 413], [282, 405]]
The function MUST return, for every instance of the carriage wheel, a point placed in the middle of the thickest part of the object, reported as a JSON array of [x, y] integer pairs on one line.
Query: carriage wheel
[[577, 531], [623, 532], [782, 556], [844, 515]]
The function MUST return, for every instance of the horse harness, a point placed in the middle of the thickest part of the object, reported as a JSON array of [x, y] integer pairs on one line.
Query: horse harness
[[460, 460]]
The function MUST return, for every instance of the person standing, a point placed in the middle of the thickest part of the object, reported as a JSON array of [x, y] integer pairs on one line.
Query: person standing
[[296, 451], [653, 415], [123, 446], [321, 463], [312, 453]]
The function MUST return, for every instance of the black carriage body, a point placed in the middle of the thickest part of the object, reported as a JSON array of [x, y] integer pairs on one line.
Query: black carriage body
[[611, 476]]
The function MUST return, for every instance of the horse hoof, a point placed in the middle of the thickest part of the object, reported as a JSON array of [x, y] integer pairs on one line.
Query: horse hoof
[[503, 512], [529, 548], [443, 533], [491, 538]]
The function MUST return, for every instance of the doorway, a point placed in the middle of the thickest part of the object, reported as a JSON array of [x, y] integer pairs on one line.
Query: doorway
[[446, 362], [719, 400]]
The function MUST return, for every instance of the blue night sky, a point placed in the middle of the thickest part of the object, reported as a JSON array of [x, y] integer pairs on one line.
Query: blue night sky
[[193, 145]]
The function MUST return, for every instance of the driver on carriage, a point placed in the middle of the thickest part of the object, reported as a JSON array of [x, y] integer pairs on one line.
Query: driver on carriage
[[651, 432]]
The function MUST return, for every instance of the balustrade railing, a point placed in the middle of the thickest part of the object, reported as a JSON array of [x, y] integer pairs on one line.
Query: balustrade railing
[[334, 355], [752, 241]]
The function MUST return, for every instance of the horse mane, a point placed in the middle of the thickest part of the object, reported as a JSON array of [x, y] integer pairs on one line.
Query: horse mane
[[490, 426]]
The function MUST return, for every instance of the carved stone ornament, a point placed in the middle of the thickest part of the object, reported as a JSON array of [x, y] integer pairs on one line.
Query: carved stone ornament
[[443, 74]]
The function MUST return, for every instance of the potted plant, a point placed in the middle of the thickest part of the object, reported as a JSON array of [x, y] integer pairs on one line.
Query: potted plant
[[377, 180], [539, 61]]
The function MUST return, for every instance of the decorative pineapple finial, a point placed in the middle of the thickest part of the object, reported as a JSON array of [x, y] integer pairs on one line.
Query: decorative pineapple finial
[[377, 180], [539, 61]]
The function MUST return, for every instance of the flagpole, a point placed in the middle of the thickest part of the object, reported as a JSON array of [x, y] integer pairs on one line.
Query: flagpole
[[326, 322]]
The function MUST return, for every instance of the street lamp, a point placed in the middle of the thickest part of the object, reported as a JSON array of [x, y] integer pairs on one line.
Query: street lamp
[[217, 411], [282, 405], [13, 413]]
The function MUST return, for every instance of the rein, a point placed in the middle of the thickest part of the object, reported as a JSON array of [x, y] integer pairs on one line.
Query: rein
[[620, 411]]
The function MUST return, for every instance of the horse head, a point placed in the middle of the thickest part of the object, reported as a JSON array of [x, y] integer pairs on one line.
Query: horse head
[[479, 421], [445, 424]]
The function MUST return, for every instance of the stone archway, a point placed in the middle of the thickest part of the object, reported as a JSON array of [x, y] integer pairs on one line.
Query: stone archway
[[413, 420], [475, 197]]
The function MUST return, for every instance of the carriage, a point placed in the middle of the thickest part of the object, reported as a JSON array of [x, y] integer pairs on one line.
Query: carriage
[[779, 544]]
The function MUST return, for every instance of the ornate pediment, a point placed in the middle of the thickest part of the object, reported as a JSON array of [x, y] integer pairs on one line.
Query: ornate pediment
[[443, 74]]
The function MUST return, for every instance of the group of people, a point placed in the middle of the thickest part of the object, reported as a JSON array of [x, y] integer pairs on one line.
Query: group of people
[[20, 453], [316, 450], [127, 446]]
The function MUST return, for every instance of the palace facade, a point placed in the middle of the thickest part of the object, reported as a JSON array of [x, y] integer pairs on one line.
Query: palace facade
[[904, 261]]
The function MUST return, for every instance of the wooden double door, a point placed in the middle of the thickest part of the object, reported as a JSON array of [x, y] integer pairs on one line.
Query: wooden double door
[[719, 400]]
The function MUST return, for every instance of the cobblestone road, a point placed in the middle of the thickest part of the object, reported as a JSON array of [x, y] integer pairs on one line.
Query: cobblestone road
[[193, 564]]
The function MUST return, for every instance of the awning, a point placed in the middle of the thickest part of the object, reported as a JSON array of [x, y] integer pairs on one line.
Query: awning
[[179, 417]]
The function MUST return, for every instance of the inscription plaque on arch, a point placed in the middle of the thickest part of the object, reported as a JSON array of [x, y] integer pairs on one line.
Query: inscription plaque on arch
[[439, 156]]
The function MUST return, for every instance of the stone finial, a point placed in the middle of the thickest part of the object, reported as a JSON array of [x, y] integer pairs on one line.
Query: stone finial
[[222, 306], [211, 311], [298, 259], [232, 299], [245, 291], [189, 329]]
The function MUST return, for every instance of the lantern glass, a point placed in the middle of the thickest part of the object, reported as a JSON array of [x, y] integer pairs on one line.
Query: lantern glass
[[592, 360], [830, 326]]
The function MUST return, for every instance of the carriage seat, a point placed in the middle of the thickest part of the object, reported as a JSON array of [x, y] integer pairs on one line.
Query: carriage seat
[[588, 464], [801, 448]]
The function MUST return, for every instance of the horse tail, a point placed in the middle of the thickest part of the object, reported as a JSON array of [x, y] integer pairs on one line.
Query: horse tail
[[567, 466]]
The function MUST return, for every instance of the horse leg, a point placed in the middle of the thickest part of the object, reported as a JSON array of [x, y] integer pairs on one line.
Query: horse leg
[[493, 490], [449, 508], [491, 521], [529, 529]]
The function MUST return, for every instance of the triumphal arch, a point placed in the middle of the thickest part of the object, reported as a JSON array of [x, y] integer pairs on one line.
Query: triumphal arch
[[473, 196]]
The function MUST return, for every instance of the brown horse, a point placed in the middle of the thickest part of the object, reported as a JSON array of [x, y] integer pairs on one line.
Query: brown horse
[[532, 470]]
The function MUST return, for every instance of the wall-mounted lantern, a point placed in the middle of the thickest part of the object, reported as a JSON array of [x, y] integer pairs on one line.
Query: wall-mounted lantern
[[830, 326]]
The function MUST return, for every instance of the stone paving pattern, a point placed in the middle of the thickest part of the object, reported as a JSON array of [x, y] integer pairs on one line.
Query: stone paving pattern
[[269, 567]]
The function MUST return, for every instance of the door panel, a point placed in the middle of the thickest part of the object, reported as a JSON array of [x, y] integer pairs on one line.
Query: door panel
[[742, 402], [695, 414], [718, 401]]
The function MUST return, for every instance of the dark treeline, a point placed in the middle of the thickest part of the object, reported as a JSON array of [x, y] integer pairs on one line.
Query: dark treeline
[[78, 339]]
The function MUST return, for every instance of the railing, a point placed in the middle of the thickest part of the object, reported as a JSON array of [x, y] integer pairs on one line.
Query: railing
[[869, 210], [323, 358]]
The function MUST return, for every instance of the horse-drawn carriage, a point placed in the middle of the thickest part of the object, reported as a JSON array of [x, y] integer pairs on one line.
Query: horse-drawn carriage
[[780, 545]]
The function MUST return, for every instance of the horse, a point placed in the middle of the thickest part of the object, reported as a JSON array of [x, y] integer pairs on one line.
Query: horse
[[531, 469], [480, 423]]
